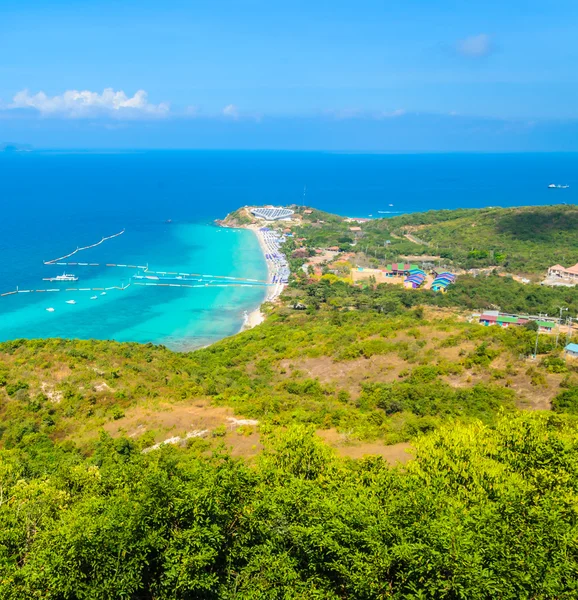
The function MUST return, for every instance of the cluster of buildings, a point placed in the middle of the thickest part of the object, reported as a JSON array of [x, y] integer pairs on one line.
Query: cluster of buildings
[[495, 317], [414, 277]]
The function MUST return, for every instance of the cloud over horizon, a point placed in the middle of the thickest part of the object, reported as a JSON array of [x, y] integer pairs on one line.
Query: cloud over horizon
[[83, 104], [231, 111], [475, 46]]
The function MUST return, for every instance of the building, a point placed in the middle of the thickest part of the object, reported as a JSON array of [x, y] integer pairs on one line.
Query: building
[[494, 317], [399, 269], [442, 280], [415, 279], [570, 273], [571, 350], [272, 213], [355, 220]]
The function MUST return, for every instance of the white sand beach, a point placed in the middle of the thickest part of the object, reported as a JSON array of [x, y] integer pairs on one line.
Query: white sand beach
[[256, 316]]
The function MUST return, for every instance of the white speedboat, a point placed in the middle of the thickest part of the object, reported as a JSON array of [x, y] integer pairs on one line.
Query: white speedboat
[[93, 297], [71, 302], [103, 293], [63, 277], [50, 309]]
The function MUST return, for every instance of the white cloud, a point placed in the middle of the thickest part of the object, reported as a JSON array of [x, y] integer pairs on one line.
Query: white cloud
[[231, 111], [475, 46], [74, 103]]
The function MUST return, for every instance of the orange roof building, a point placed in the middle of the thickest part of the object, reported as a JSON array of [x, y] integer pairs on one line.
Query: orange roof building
[[570, 273]]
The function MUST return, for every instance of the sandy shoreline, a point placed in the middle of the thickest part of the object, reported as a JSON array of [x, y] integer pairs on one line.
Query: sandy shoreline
[[256, 317]]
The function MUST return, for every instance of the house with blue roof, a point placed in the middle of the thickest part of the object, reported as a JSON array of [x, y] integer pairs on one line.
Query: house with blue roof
[[571, 350]]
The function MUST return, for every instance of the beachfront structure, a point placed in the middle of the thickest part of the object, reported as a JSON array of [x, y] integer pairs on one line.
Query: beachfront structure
[[571, 350], [569, 274], [494, 317], [442, 281], [272, 213]]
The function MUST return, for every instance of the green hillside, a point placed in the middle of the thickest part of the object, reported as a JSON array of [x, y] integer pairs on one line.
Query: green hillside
[[373, 374], [523, 240], [364, 442]]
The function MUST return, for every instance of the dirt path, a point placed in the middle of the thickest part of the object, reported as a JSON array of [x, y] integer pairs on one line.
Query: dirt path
[[415, 240]]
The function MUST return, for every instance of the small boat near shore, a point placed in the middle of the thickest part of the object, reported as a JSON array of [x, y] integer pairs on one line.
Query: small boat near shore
[[70, 301], [557, 186], [50, 309]]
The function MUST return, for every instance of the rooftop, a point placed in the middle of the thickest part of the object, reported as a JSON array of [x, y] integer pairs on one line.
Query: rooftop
[[272, 213]]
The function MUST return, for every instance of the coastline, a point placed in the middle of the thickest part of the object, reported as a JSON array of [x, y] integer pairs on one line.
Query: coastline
[[257, 316]]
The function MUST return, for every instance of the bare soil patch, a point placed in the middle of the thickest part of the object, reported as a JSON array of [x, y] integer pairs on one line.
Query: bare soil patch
[[394, 454]]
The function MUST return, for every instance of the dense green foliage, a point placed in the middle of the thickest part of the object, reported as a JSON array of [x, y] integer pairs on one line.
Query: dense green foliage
[[468, 293], [487, 508], [416, 378], [522, 240], [480, 513]]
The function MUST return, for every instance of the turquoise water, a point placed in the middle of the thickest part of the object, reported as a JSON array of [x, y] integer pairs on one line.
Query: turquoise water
[[53, 202], [180, 318]]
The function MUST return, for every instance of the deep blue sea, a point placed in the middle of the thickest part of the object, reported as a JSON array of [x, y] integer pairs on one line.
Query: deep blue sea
[[54, 202]]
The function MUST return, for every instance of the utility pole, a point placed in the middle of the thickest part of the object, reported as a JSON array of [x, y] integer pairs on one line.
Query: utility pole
[[559, 324], [537, 336]]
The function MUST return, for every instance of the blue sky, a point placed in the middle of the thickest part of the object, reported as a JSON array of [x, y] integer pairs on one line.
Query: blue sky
[[407, 75]]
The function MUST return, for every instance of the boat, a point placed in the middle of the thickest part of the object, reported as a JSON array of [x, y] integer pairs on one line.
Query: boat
[[93, 297], [71, 302], [558, 186], [390, 204], [103, 293], [50, 309], [63, 277]]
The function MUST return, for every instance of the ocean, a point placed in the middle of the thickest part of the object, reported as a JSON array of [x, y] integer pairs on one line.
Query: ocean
[[53, 202]]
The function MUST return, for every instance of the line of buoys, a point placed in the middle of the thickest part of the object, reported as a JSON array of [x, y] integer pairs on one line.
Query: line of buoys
[[145, 269], [198, 285], [98, 289], [104, 239]]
